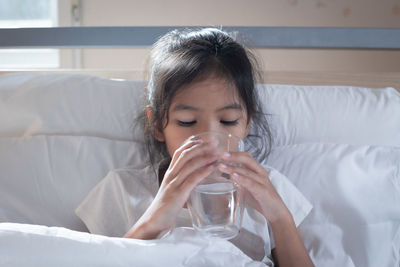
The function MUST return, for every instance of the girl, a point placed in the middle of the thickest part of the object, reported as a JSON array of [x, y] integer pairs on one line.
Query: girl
[[201, 81]]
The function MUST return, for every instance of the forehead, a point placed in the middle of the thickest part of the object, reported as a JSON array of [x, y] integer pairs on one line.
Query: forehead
[[210, 91]]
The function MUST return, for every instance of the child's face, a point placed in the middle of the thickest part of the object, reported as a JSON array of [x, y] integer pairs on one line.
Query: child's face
[[207, 105]]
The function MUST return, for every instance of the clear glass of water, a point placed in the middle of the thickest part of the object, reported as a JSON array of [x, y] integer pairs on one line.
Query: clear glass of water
[[215, 205]]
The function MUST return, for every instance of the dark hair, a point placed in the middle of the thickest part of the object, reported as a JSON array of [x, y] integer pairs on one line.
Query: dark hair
[[180, 57]]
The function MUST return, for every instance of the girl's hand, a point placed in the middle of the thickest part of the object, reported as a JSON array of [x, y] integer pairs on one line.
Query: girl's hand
[[260, 193], [191, 163], [258, 189]]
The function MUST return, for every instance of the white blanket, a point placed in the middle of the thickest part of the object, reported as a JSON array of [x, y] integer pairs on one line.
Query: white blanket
[[34, 245]]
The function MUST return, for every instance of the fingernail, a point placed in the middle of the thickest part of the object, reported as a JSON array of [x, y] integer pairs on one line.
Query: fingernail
[[235, 175], [226, 155], [223, 166]]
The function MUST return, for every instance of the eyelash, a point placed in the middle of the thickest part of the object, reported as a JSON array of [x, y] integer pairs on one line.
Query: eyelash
[[186, 123], [229, 123], [190, 123]]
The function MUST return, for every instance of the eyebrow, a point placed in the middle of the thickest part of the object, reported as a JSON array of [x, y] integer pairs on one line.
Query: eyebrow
[[231, 106], [179, 107], [184, 107]]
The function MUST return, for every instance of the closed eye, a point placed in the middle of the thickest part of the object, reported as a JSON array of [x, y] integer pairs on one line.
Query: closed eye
[[234, 122], [186, 123]]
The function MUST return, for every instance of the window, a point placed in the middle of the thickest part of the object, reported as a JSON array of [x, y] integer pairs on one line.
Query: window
[[24, 14]]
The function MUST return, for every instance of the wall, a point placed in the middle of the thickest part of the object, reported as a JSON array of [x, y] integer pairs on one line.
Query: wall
[[335, 13]]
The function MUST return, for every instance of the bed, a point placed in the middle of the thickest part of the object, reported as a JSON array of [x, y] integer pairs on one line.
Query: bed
[[337, 138]]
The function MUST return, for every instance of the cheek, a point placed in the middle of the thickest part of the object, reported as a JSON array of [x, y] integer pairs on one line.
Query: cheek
[[241, 130], [171, 150], [173, 143]]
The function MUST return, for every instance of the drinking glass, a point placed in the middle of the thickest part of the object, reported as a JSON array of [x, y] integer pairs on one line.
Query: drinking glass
[[215, 205]]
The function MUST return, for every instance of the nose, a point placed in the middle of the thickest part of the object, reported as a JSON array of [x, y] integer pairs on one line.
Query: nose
[[211, 126]]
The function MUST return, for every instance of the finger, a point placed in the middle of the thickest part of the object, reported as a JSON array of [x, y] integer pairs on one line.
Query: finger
[[184, 146], [242, 171], [194, 179], [247, 178], [258, 190], [190, 153], [253, 187], [195, 165], [246, 159]]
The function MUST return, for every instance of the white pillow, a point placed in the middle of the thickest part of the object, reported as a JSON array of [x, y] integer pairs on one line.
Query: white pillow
[[60, 134], [355, 193], [33, 104], [332, 114], [44, 178], [69, 104]]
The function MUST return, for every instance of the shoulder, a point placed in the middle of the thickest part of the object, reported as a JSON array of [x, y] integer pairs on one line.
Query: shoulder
[[133, 178], [132, 170], [276, 177], [123, 194], [295, 201]]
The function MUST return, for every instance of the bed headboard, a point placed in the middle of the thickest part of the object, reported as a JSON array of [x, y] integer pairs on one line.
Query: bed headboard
[[260, 37], [256, 37]]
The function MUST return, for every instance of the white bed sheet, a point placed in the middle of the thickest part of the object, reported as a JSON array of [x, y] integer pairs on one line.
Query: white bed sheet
[[34, 245]]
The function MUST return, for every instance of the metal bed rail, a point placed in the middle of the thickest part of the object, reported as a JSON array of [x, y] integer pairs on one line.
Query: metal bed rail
[[256, 37]]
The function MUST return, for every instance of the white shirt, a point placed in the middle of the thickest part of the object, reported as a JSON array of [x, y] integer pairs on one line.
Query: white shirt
[[114, 205]]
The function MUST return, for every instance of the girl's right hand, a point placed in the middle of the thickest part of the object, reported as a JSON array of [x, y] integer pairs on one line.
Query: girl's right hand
[[191, 163]]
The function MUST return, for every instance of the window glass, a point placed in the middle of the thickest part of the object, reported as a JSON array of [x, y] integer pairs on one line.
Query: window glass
[[28, 14]]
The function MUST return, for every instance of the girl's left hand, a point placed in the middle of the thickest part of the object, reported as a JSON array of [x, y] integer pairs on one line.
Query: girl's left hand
[[254, 179]]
